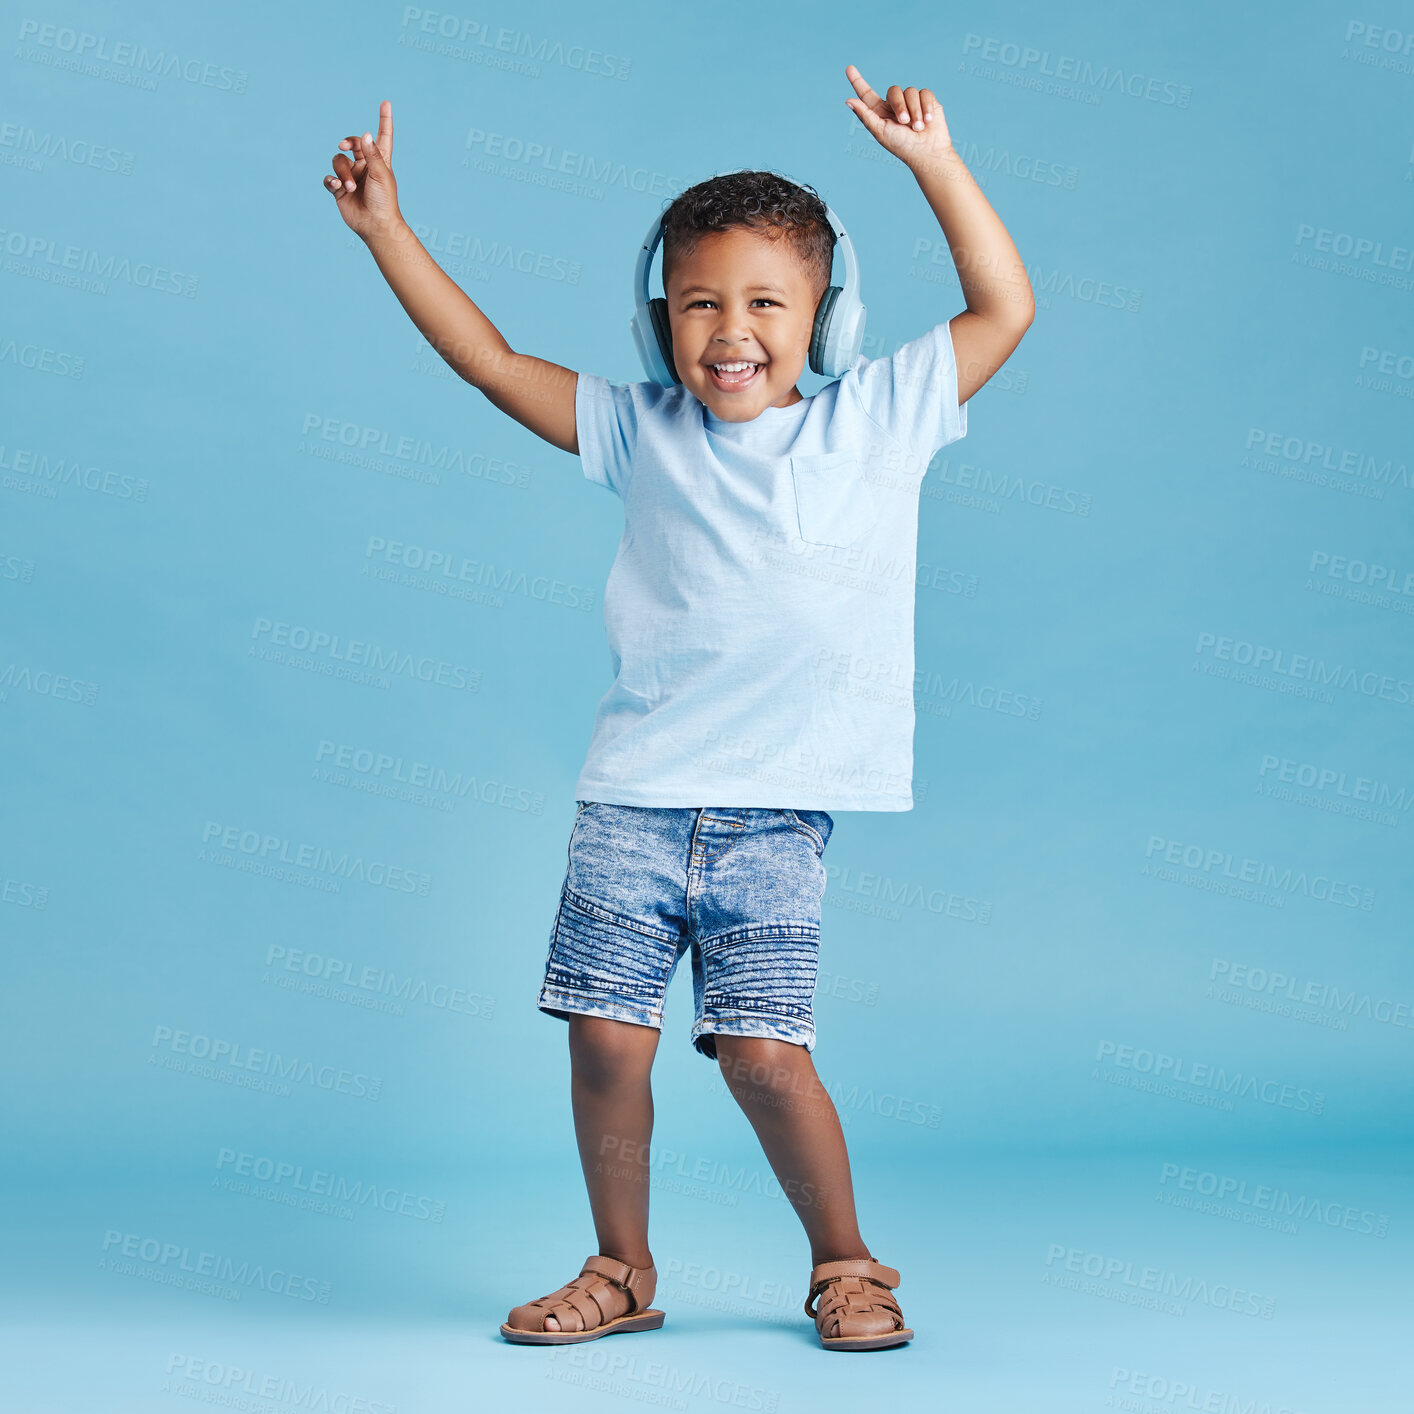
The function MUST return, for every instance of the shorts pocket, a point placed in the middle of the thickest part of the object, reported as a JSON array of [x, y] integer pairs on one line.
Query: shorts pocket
[[807, 829], [834, 504]]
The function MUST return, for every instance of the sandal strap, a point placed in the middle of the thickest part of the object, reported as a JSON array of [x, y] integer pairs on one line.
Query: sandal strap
[[582, 1301], [848, 1298], [585, 1302], [641, 1282], [865, 1268]]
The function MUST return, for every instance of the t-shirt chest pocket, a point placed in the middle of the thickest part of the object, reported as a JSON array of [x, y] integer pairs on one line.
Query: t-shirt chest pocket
[[834, 504]]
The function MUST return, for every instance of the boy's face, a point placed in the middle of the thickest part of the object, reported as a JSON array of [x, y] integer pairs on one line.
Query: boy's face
[[741, 297]]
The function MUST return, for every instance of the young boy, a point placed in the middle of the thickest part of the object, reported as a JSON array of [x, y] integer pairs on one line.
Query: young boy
[[768, 547]]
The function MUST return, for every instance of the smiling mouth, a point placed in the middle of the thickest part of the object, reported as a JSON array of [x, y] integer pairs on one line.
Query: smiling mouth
[[734, 376]]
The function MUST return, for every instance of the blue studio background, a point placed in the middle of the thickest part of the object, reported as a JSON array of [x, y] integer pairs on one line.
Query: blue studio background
[[1117, 1018]]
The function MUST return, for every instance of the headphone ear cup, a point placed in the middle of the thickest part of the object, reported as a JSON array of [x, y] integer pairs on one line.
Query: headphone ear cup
[[820, 331], [658, 313]]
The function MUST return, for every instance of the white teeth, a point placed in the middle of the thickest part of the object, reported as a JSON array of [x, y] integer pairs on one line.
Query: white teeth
[[733, 367]]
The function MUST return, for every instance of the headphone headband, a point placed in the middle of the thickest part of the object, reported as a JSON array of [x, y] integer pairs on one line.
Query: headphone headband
[[839, 317]]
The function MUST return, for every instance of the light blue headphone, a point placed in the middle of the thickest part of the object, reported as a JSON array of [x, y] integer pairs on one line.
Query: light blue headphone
[[835, 340]]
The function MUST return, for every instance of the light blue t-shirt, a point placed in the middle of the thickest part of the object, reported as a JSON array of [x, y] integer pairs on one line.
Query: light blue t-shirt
[[760, 608]]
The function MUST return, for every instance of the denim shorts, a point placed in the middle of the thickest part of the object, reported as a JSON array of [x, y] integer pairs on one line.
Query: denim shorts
[[740, 887]]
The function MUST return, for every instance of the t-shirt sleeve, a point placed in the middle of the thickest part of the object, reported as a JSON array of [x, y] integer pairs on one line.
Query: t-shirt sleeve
[[606, 427], [913, 394]]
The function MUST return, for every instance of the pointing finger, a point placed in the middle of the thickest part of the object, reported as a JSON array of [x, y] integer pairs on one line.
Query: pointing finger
[[868, 117], [385, 130], [860, 86]]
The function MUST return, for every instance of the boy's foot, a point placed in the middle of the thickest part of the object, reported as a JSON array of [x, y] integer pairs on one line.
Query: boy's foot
[[605, 1297], [856, 1309]]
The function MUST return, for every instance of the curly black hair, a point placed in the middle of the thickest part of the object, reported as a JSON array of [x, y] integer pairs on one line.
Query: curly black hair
[[755, 200]]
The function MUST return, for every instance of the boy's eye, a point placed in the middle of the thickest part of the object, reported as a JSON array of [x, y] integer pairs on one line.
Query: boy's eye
[[760, 299]]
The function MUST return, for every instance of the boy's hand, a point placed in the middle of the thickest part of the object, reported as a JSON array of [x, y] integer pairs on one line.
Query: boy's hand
[[910, 123], [365, 187]]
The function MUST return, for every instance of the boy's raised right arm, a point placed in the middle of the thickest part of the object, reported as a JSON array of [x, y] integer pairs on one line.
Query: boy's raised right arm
[[537, 393]]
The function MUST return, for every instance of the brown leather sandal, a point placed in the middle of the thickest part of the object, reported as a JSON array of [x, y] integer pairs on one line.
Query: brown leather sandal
[[580, 1306], [856, 1308]]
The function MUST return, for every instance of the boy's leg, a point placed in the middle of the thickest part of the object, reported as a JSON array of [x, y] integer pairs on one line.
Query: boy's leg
[[777, 1088], [611, 1064]]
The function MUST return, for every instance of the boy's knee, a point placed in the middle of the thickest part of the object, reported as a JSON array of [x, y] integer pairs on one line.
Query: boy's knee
[[752, 1065], [606, 1051]]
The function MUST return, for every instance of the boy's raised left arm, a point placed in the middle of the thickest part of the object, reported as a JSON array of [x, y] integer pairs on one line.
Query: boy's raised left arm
[[909, 122]]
